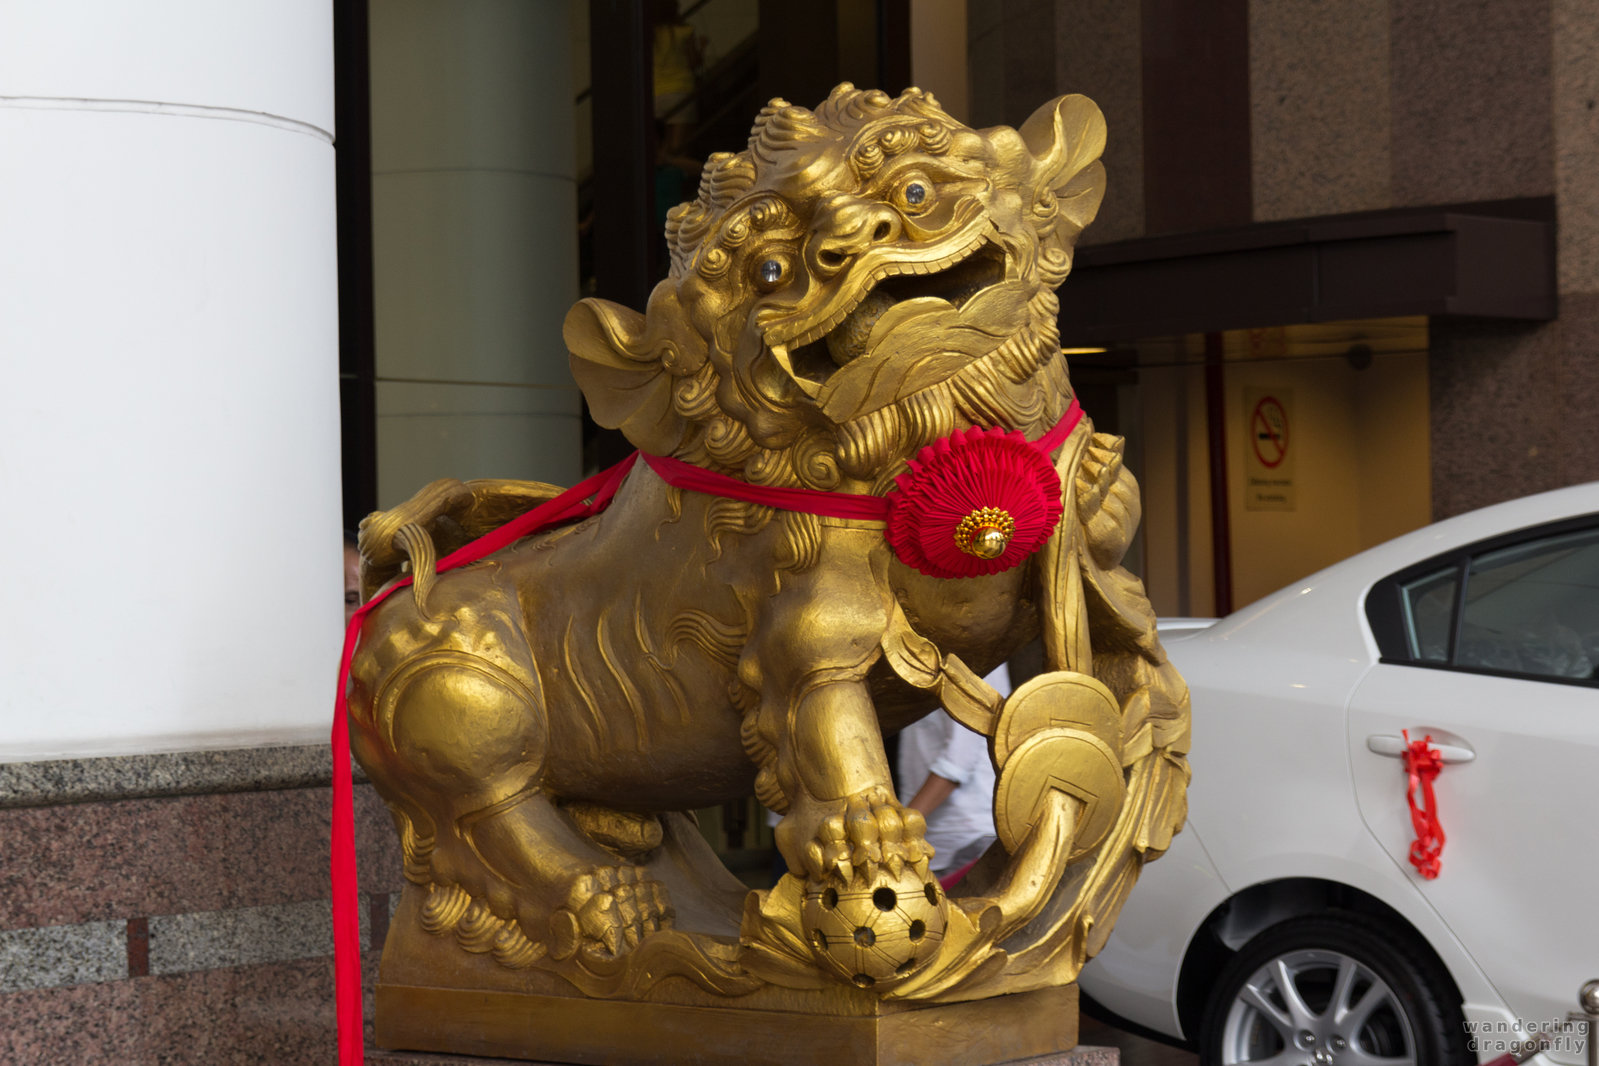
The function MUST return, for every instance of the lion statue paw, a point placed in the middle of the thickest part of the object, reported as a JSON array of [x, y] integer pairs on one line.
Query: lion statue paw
[[868, 832], [609, 910]]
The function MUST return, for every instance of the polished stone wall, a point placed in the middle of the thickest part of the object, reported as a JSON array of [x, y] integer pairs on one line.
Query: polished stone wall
[[1576, 131], [1471, 87], [1515, 409], [1366, 104], [1320, 117], [173, 909]]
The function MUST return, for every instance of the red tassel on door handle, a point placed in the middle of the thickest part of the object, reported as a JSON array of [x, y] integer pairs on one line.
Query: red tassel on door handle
[[1422, 764]]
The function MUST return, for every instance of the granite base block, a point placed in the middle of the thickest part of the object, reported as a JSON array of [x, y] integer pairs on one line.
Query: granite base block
[[275, 1015], [56, 782], [63, 955], [172, 910], [115, 860]]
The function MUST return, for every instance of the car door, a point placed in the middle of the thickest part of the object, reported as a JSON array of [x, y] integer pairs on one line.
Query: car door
[[1493, 651]]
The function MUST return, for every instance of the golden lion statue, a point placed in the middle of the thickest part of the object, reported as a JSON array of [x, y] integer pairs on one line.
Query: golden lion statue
[[865, 482]]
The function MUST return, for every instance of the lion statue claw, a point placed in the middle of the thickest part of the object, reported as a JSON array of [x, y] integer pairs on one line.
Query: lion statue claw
[[863, 481], [866, 832]]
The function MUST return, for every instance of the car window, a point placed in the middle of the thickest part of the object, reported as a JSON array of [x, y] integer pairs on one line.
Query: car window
[[1533, 608], [1429, 613], [1524, 604]]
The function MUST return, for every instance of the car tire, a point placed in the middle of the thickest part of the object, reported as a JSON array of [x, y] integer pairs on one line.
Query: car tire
[[1356, 988]]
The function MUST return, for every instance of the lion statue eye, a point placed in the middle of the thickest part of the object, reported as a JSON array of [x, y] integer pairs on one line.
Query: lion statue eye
[[915, 195], [772, 272]]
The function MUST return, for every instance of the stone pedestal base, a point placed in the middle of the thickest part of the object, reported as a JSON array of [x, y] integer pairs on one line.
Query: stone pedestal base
[[1030, 1027], [1082, 1056]]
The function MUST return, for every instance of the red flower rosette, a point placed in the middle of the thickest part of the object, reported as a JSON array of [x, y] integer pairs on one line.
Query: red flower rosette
[[973, 503]]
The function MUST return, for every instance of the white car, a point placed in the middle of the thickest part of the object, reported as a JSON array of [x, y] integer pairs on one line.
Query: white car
[[1287, 924]]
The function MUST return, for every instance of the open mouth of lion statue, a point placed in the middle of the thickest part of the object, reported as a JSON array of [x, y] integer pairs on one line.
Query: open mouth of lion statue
[[914, 323]]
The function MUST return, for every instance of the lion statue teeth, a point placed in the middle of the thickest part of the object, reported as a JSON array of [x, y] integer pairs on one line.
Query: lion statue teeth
[[864, 287]]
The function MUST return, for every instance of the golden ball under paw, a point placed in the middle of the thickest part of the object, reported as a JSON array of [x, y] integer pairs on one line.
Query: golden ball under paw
[[879, 931]]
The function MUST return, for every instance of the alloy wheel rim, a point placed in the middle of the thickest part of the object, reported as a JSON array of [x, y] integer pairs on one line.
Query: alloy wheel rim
[[1317, 1008]]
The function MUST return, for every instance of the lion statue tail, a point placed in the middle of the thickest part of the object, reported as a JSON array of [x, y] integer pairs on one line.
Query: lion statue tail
[[444, 516]]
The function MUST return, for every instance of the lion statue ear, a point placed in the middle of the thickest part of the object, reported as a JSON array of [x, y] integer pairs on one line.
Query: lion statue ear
[[1066, 137], [628, 365]]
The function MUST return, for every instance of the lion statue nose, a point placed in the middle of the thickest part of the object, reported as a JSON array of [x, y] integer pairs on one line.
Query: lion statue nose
[[846, 226]]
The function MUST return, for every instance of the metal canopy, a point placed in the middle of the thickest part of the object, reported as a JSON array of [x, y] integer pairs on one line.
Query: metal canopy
[[1489, 260]]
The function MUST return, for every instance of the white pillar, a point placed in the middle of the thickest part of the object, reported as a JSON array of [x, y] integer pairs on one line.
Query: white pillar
[[169, 446], [474, 241]]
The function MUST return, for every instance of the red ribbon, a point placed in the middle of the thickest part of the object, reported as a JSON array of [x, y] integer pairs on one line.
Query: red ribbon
[[1423, 762], [681, 475], [567, 507], [678, 474]]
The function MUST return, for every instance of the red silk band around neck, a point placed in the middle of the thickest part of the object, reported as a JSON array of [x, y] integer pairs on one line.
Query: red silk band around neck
[[681, 475]]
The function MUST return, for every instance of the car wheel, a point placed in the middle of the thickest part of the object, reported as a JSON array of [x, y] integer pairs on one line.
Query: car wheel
[[1334, 989]]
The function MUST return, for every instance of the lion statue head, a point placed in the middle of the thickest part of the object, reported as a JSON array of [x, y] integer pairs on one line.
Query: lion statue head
[[863, 279]]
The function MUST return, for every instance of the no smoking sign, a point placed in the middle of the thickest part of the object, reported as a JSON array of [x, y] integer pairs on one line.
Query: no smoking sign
[[1268, 427], [1269, 457]]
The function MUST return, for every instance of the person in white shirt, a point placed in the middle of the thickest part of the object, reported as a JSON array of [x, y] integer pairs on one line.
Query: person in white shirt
[[945, 769]]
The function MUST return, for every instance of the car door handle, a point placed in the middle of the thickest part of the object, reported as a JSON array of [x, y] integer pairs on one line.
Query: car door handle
[[1394, 746]]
